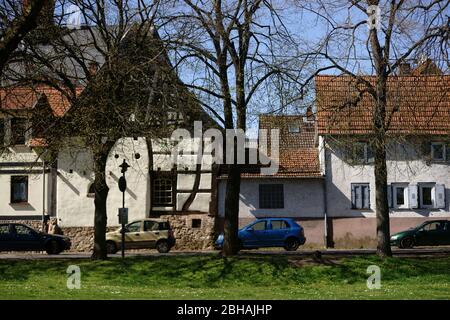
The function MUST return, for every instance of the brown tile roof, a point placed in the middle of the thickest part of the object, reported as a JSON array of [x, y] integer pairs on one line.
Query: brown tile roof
[[418, 104], [298, 154], [26, 98]]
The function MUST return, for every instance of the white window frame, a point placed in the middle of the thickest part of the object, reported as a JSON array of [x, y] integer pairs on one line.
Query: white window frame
[[444, 151], [433, 193], [405, 187], [294, 128]]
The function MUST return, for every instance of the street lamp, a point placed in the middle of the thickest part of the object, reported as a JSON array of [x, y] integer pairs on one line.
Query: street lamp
[[123, 213]]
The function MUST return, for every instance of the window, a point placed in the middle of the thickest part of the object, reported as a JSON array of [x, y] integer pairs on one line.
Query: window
[[359, 153], [2, 132], [400, 196], [23, 230], [19, 189], [4, 229], [196, 223], [294, 128], [164, 226], [434, 226], [438, 151], [360, 196], [162, 192], [134, 227], [271, 196], [18, 129], [150, 226], [426, 195], [259, 226], [279, 224]]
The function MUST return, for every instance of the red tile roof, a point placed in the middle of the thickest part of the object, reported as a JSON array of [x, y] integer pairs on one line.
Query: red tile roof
[[298, 154], [418, 104], [26, 98]]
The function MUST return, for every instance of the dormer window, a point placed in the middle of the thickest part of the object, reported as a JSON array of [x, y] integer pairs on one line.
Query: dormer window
[[18, 129], [294, 128], [2, 132]]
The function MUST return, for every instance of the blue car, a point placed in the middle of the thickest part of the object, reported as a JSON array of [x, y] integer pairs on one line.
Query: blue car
[[269, 232]]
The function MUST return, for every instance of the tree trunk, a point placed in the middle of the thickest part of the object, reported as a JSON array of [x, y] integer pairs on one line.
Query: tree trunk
[[100, 217], [382, 212], [231, 244]]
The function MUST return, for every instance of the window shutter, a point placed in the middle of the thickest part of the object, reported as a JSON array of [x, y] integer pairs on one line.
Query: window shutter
[[412, 193], [439, 190], [370, 154], [389, 195], [366, 197], [353, 197]]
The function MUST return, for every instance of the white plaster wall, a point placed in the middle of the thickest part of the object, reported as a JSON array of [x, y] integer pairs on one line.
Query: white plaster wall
[[403, 166], [76, 209], [200, 203], [303, 198], [35, 183], [137, 195], [35, 196]]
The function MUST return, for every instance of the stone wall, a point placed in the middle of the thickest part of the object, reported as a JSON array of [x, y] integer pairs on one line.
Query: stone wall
[[192, 232], [190, 236]]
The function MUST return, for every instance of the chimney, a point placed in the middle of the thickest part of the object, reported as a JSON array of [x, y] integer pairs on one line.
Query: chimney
[[47, 11], [404, 69], [309, 114]]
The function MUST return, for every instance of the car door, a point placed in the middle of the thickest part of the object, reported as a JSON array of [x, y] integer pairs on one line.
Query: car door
[[432, 233], [150, 234], [447, 233], [27, 239], [254, 234], [6, 237], [277, 232], [133, 235]]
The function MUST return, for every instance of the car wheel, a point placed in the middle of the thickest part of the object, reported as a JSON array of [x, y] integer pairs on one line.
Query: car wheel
[[111, 247], [163, 246], [407, 243], [291, 244], [53, 247]]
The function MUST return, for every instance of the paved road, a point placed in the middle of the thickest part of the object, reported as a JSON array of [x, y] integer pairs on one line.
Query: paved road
[[418, 252]]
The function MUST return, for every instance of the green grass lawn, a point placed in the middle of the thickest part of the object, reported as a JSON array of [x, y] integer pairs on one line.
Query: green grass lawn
[[212, 277]]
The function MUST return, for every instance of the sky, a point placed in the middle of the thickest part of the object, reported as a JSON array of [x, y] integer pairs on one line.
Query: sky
[[309, 29]]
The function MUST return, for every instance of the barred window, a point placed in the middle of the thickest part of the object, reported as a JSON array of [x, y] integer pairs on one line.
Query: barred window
[[271, 196], [162, 192]]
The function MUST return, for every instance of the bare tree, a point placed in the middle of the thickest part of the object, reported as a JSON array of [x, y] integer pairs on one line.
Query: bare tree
[[397, 31], [115, 74], [227, 52], [17, 19]]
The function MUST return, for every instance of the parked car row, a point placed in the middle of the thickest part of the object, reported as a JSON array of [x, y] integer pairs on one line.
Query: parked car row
[[157, 234]]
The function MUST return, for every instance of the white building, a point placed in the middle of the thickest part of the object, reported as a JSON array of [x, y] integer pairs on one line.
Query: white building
[[326, 179]]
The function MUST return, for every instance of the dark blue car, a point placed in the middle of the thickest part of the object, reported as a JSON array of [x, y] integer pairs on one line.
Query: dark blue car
[[269, 232], [19, 237]]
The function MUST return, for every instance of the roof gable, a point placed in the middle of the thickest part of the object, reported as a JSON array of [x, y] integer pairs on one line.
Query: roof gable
[[415, 105]]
